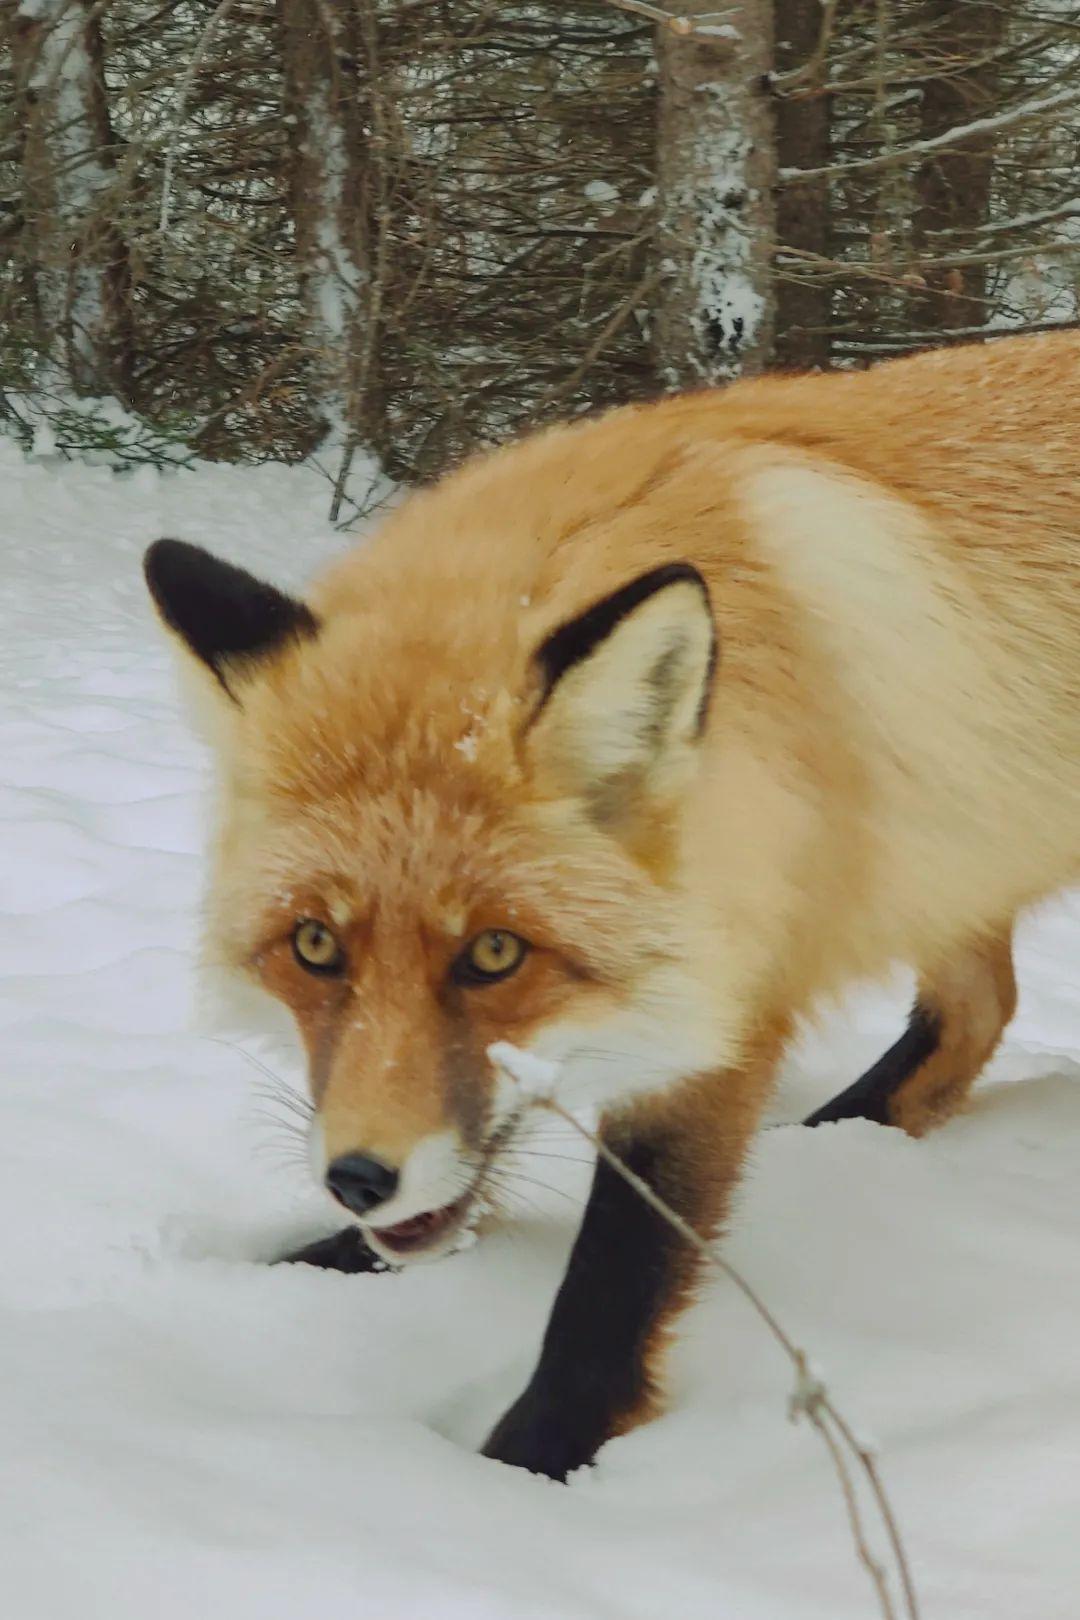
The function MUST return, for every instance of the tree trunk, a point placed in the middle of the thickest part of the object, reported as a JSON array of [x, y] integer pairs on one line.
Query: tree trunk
[[953, 187], [329, 64], [803, 299], [79, 264], [716, 168]]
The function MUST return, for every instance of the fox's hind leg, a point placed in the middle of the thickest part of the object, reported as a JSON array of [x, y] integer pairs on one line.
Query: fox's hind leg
[[961, 1008]]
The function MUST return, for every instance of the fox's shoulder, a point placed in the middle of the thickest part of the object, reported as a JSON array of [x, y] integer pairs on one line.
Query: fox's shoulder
[[592, 496], [938, 454]]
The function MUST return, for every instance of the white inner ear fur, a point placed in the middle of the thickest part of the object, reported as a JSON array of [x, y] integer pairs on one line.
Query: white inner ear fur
[[208, 708], [628, 714]]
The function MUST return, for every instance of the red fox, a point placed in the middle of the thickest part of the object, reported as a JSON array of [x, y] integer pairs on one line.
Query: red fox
[[629, 744]]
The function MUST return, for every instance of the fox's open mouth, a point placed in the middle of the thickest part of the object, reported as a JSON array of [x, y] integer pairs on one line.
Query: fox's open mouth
[[424, 1231], [436, 1228]]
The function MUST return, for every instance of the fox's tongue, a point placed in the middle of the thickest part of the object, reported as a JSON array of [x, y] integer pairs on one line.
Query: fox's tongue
[[418, 1226]]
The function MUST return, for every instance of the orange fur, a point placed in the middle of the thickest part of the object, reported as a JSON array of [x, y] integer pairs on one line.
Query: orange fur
[[972, 994], [891, 762], [889, 771]]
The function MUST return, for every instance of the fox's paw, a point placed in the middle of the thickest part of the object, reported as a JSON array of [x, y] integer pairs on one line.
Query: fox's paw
[[345, 1251], [546, 1437]]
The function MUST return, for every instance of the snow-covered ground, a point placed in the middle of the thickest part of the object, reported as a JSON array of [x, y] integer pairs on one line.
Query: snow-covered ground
[[188, 1433]]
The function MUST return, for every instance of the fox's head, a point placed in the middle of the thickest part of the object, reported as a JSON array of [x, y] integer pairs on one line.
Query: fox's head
[[442, 830]]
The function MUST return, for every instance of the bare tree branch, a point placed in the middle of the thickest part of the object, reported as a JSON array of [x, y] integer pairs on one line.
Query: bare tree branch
[[1027, 113]]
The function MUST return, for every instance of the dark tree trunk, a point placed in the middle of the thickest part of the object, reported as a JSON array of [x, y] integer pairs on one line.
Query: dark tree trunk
[[79, 267], [803, 299], [953, 188]]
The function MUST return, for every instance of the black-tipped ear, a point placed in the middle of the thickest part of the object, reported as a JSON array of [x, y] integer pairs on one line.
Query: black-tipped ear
[[625, 695], [577, 640], [223, 614]]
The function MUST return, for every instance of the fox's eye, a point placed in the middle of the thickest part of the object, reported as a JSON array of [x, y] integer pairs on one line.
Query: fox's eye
[[492, 955], [316, 948]]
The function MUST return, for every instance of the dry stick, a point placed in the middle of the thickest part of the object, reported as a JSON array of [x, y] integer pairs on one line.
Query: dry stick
[[810, 1396], [873, 1566], [352, 445], [868, 1463]]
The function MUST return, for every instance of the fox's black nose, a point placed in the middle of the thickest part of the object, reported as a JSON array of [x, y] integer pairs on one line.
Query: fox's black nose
[[360, 1183]]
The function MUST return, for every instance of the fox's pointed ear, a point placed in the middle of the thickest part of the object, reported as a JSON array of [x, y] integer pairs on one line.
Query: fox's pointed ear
[[225, 616], [625, 691]]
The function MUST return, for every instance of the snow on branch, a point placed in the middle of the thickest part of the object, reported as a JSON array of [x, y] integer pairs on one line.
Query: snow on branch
[[680, 24], [1028, 222], [807, 72], [1026, 113]]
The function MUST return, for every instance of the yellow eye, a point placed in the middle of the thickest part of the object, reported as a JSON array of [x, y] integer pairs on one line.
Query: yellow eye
[[492, 955], [316, 948]]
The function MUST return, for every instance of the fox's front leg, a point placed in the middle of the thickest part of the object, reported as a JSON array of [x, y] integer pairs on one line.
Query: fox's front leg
[[344, 1251], [630, 1273]]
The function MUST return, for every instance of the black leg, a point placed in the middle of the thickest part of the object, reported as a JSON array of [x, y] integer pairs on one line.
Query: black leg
[[592, 1379], [869, 1096], [345, 1251]]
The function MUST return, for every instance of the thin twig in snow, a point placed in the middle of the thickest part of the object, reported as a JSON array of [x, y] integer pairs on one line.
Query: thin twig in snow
[[535, 1078], [810, 1398], [873, 1566]]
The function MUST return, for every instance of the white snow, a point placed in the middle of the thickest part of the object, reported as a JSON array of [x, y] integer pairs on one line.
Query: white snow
[[723, 273], [534, 1077], [188, 1432], [723, 31]]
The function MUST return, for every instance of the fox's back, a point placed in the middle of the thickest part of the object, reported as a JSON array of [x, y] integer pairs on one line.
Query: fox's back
[[975, 453], [983, 439], [894, 562]]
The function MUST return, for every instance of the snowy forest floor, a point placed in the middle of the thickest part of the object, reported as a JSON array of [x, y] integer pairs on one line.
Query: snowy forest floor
[[189, 1433]]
